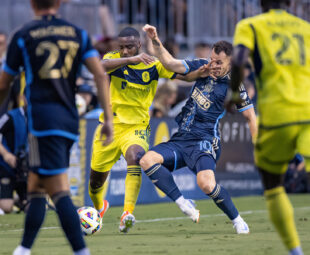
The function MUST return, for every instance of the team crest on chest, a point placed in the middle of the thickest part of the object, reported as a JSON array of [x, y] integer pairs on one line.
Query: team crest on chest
[[208, 87], [146, 76]]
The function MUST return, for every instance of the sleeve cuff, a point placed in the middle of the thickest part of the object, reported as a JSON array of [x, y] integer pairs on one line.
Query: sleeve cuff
[[9, 70], [245, 108], [186, 66], [90, 54], [173, 76]]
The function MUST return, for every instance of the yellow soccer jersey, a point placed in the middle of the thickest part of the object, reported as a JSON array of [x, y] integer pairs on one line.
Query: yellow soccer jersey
[[280, 49], [133, 88]]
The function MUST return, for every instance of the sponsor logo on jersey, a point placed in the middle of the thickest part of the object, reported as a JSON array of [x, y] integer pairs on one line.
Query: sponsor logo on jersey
[[201, 99]]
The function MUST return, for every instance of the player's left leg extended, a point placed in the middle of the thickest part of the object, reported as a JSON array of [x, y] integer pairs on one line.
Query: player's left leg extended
[[156, 164], [206, 181], [133, 148]]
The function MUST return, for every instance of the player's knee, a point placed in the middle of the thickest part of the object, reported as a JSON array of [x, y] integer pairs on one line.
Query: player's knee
[[133, 157], [207, 187], [148, 160]]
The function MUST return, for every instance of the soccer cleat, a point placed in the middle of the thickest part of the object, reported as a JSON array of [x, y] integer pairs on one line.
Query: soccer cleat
[[20, 250], [189, 209], [105, 208], [127, 222], [241, 227]]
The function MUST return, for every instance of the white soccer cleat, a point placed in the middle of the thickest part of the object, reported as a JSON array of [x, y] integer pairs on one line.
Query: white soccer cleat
[[241, 227], [189, 209], [20, 250], [127, 222]]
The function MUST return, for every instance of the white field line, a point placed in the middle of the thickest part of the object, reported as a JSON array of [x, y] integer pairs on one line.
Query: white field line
[[170, 219]]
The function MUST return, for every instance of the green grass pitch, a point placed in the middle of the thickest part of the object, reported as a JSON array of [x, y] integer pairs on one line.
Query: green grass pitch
[[163, 229]]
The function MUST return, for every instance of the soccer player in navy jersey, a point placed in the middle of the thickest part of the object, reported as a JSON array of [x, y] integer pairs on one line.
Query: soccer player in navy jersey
[[51, 51], [197, 142]]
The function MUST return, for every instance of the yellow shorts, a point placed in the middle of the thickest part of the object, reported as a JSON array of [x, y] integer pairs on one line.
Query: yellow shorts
[[125, 135], [274, 148]]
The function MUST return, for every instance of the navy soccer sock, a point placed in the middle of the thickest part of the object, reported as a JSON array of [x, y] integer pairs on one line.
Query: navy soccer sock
[[163, 180], [69, 220], [34, 218], [223, 201]]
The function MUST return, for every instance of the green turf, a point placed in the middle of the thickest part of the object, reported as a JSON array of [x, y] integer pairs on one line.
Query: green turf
[[212, 235]]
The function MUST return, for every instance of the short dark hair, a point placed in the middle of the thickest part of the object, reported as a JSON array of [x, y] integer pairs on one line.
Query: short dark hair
[[129, 31], [266, 3], [44, 4], [224, 46]]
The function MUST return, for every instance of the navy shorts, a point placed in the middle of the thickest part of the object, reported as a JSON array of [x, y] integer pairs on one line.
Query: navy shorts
[[197, 155], [49, 155]]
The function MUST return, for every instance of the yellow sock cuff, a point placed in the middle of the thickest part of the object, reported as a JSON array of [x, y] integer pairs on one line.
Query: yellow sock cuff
[[95, 191], [273, 192], [134, 170]]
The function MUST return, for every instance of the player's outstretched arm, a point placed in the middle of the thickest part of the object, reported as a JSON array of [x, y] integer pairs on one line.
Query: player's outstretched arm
[[239, 59], [169, 62], [115, 63], [5, 81], [202, 72], [250, 116], [103, 92]]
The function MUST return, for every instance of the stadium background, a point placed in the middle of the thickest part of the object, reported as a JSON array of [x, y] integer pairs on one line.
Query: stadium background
[[186, 22]]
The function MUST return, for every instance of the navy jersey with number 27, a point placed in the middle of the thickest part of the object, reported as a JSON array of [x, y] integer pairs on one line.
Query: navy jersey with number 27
[[51, 51]]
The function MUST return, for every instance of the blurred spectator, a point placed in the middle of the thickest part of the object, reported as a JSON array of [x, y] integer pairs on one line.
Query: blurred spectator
[[85, 99], [202, 50], [107, 20], [165, 97], [172, 47], [3, 46], [105, 45], [295, 180], [13, 159]]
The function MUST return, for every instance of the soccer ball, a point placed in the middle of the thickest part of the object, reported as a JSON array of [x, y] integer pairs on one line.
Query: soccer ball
[[90, 220]]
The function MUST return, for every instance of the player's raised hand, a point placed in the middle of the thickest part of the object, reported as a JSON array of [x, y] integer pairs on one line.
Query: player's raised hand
[[150, 31], [144, 58], [107, 130]]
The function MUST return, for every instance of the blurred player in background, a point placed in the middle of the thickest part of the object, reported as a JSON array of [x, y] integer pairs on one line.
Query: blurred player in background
[[51, 51], [134, 79], [13, 144], [279, 45], [197, 142]]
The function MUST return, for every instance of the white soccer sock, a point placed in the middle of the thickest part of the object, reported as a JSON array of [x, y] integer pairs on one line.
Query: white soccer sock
[[237, 219], [180, 201], [296, 251], [84, 251], [21, 250]]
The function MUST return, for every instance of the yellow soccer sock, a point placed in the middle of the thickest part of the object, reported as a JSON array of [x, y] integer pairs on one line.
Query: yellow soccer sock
[[282, 216], [132, 187], [96, 196]]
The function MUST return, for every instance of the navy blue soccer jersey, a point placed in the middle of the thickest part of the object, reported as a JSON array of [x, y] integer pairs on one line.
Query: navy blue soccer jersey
[[199, 118], [51, 51]]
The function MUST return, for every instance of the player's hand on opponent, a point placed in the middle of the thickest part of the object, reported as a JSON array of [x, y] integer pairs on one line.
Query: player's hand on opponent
[[143, 57], [107, 130], [10, 159], [150, 31]]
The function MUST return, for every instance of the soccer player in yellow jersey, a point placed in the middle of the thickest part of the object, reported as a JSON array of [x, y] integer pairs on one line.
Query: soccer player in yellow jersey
[[134, 79], [279, 45]]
